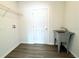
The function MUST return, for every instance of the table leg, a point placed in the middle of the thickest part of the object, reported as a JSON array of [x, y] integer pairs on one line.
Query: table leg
[[55, 41], [59, 44]]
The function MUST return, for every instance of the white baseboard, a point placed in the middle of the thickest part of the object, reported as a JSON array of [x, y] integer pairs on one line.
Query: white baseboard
[[50, 44], [73, 54], [27, 42], [37, 43], [13, 47]]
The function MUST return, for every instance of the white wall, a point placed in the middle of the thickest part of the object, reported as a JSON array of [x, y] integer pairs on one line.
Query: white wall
[[60, 15], [72, 23], [9, 37], [55, 21]]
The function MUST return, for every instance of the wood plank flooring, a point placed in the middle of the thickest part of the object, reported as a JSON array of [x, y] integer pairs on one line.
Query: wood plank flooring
[[38, 51]]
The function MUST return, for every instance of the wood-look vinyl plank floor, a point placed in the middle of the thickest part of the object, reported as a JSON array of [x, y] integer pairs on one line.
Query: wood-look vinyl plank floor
[[38, 51]]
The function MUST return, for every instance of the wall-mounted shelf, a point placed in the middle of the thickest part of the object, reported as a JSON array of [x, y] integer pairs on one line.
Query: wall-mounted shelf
[[7, 9]]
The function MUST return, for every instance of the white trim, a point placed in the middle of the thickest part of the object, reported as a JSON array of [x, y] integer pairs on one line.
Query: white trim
[[27, 42], [13, 47], [37, 43], [73, 54], [50, 44]]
